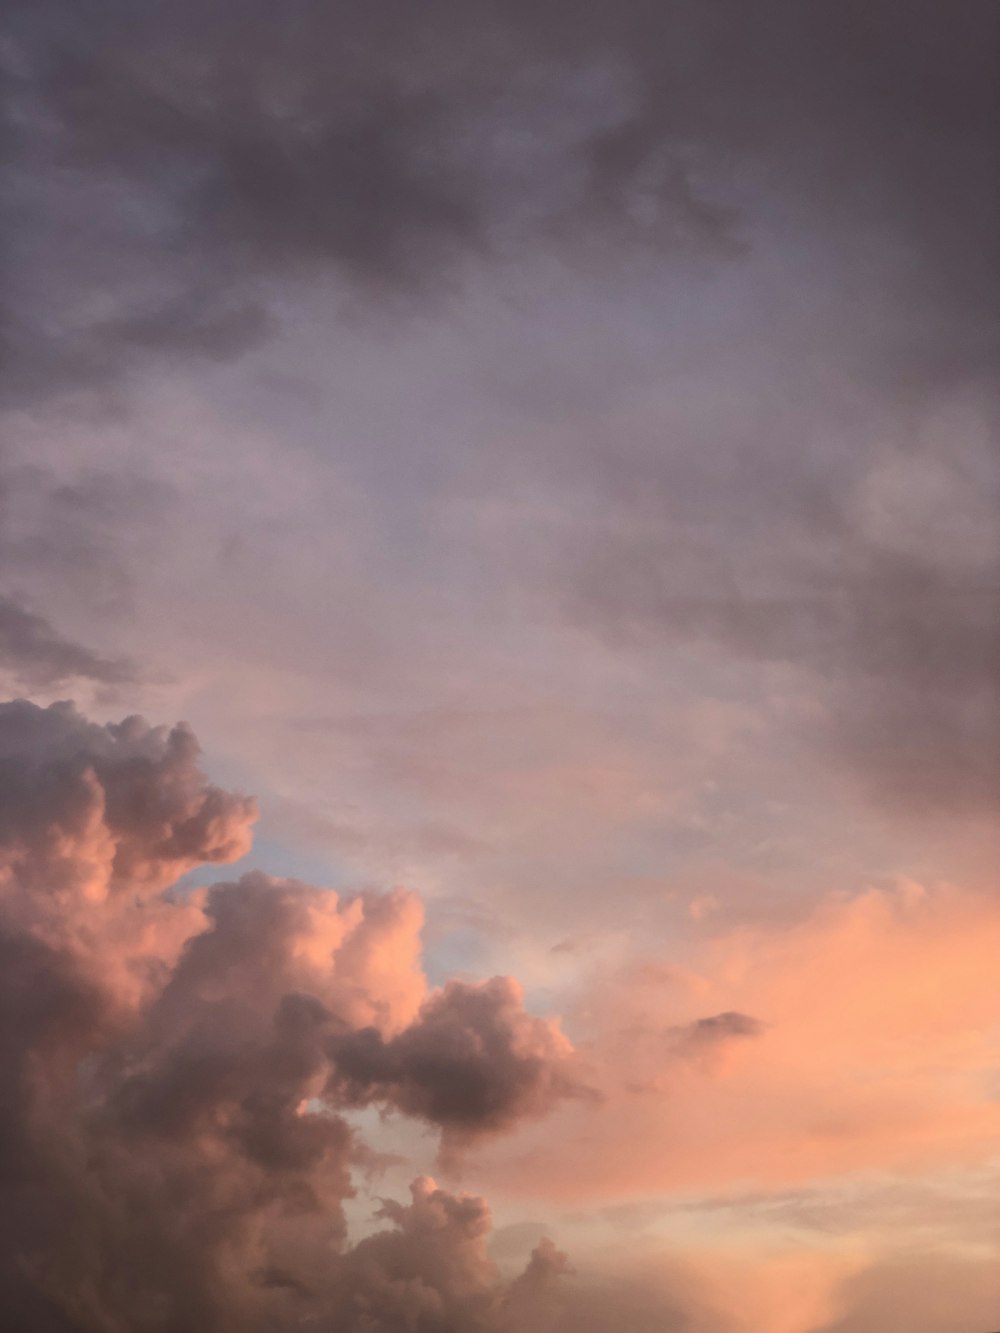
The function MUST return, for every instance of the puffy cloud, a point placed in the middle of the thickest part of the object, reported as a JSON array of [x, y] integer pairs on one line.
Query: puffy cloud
[[172, 1063], [431, 1271], [98, 820], [472, 1062]]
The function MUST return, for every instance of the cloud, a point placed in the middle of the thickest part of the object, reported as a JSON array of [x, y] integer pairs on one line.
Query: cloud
[[98, 815], [37, 656], [238, 147], [432, 1270], [747, 441], [174, 1062], [182, 178], [705, 1038], [388, 153], [472, 1062], [67, 567], [863, 565]]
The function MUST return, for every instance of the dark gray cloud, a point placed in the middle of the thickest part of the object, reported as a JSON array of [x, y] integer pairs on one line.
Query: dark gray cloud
[[232, 144]]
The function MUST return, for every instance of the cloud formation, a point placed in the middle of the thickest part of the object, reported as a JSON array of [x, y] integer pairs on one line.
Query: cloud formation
[[580, 417], [36, 655], [394, 149], [388, 150], [473, 1061], [173, 1062], [180, 178]]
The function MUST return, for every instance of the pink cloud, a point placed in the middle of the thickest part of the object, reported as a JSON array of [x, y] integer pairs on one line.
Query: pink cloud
[[173, 1064]]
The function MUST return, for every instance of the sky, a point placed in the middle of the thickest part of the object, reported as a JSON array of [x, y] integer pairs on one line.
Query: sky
[[499, 634]]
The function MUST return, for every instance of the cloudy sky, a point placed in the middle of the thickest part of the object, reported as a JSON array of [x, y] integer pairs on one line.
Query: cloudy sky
[[533, 467]]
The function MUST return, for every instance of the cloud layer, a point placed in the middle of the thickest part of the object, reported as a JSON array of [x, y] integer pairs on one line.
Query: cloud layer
[[241, 146]]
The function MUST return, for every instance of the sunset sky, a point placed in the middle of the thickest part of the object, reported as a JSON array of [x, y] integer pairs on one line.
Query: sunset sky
[[500, 614]]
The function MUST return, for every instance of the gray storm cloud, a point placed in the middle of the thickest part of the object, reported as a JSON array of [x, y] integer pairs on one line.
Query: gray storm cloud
[[395, 144], [389, 146]]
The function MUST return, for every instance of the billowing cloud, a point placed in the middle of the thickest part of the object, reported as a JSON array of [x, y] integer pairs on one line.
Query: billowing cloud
[[473, 1061], [173, 1062]]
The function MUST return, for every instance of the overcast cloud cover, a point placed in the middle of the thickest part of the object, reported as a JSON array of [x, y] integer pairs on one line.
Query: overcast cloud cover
[[547, 453]]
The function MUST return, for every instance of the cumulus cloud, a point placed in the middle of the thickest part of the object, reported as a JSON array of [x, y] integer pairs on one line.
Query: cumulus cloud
[[174, 1063], [473, 1061], [433, 1270]]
